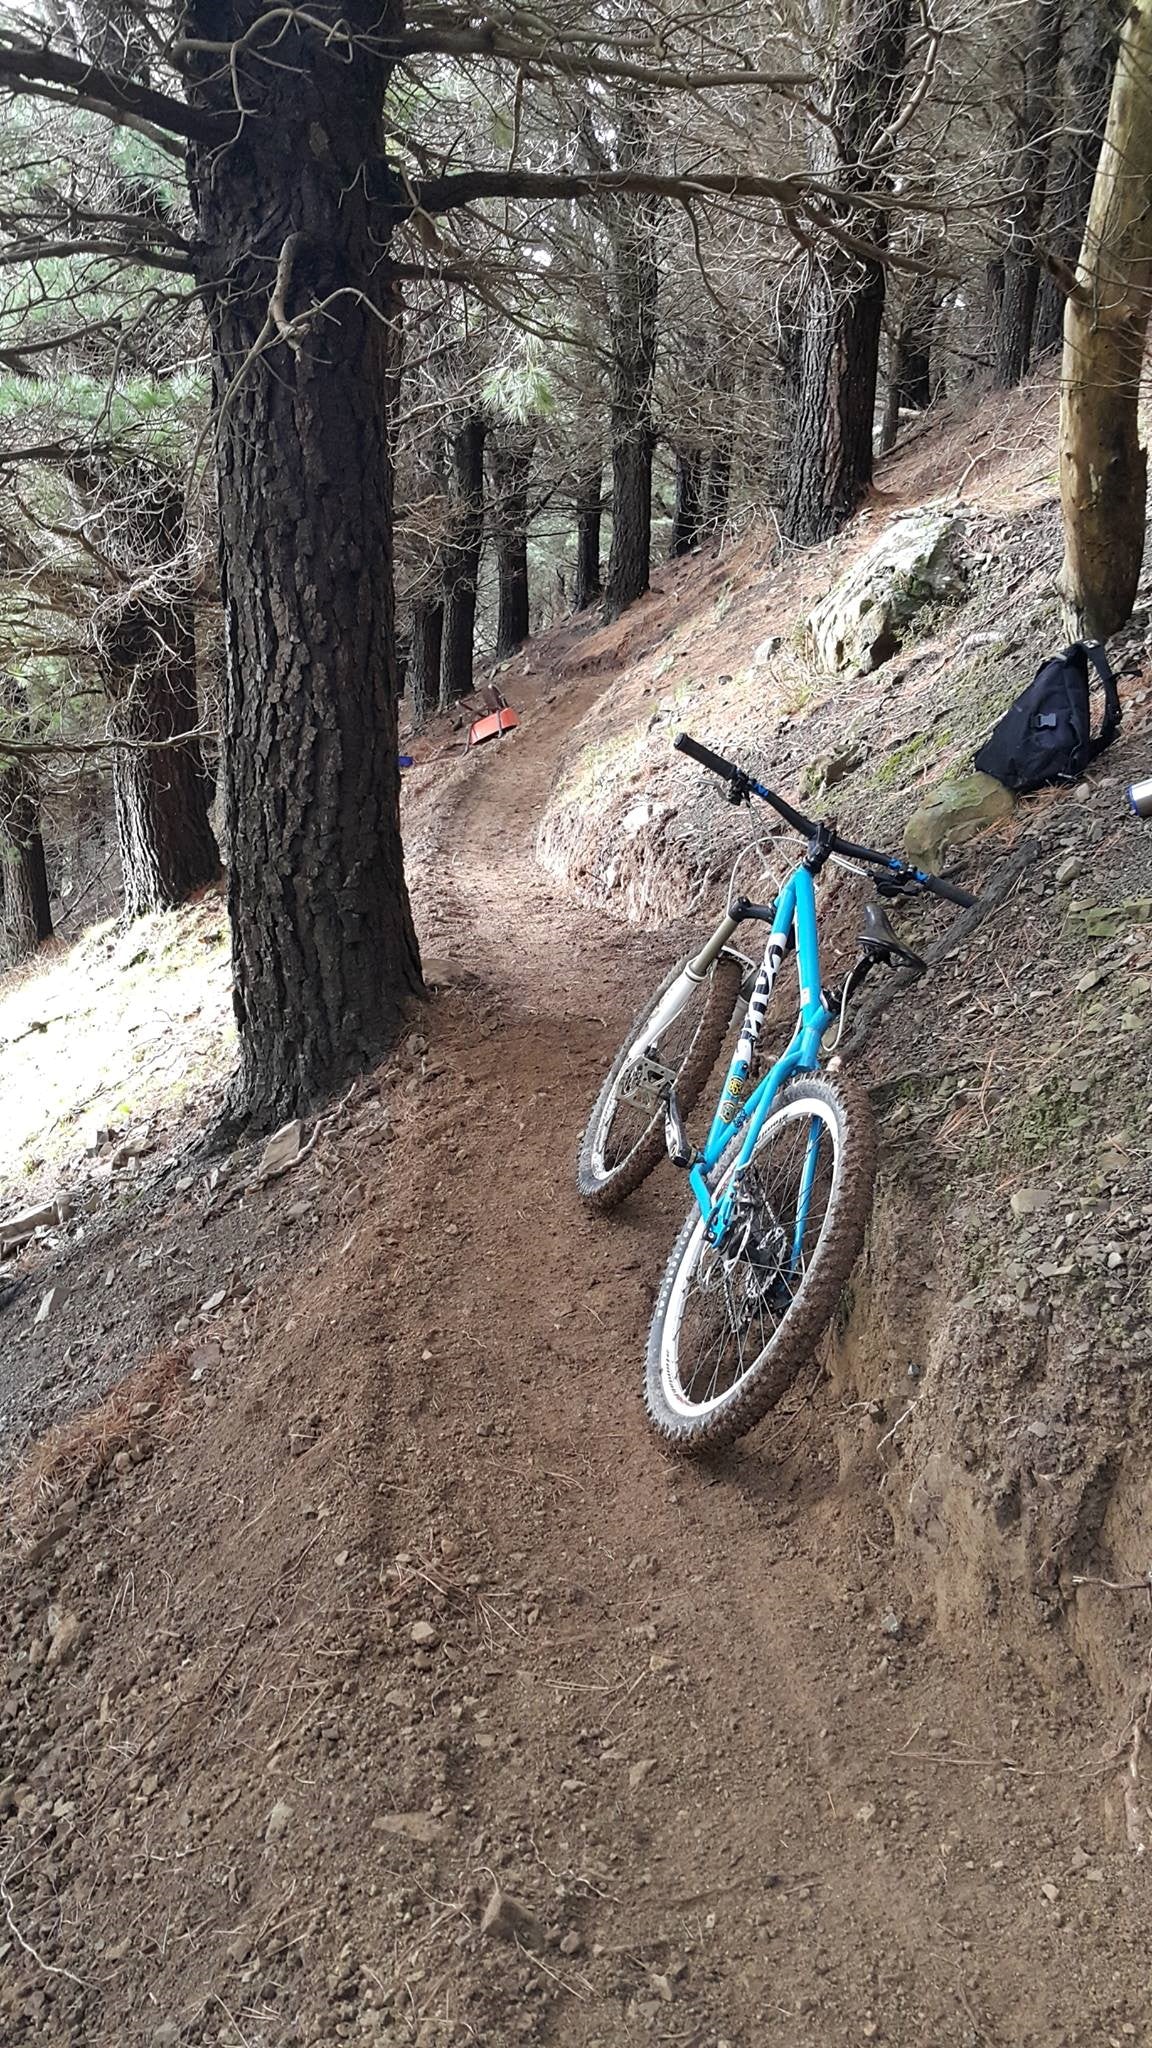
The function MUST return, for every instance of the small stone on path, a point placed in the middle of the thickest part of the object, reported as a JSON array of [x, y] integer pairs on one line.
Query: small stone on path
[[68, 1632], [279, 1821], [411, 1827], [282, 1150], [508, 1920]]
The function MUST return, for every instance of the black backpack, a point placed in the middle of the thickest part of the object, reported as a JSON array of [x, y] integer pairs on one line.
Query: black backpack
[[1046, 736]]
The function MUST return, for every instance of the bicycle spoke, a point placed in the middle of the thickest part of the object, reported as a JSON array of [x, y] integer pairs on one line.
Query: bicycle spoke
[[739, 1293]]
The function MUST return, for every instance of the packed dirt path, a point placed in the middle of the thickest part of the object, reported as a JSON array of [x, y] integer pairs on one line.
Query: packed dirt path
[[398, 1602], [734, 1731]]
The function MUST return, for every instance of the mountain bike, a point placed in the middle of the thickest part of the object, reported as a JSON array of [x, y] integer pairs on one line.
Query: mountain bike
[[782, 1185]]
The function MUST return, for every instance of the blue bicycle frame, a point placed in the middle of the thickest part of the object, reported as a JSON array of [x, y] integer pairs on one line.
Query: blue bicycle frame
[[795, 915]]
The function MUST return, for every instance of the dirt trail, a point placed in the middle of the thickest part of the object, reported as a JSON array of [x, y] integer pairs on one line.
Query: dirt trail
[[403, 1602], [840, 1823]]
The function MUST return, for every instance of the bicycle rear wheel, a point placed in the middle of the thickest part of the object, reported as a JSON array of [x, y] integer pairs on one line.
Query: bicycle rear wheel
[[734, 1322], [624, 1138]]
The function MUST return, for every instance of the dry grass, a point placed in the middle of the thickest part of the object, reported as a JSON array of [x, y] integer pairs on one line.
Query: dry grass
[[73, 1455], [120, 1028]]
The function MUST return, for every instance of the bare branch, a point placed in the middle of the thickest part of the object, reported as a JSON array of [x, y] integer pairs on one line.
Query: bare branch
[[795, 196], [560, 56], [127, 252], [107, 92], [85, 104], [22, 750]]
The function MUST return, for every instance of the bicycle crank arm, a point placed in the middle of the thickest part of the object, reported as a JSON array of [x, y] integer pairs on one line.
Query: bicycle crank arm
[[675, 1136]]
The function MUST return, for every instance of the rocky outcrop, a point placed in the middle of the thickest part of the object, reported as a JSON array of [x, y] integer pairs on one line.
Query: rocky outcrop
[[865, 616]]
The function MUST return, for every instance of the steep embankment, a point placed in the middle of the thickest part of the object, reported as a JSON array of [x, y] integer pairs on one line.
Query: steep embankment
[[386, 1598], [1000, 1323]]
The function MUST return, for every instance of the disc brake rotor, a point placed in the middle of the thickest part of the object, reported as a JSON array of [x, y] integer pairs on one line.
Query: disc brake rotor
[[755, 1247]]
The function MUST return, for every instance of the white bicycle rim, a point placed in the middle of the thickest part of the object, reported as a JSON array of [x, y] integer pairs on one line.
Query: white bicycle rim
[[671, 1387], [668, 1014]]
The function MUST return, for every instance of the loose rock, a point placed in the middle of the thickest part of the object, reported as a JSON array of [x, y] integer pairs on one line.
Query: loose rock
[[279, 1821], [507, 1919], [954, 813], [282, 1150]]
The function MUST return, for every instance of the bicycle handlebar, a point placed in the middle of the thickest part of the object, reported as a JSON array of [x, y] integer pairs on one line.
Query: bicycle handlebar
[[744, 784], [742, 781]]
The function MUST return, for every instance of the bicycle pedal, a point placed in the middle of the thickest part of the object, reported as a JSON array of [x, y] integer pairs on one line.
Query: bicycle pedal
[[675, 1136]]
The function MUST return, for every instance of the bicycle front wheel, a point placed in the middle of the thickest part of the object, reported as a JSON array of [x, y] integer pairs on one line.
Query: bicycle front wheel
[[624, 1139], [735, 1321]]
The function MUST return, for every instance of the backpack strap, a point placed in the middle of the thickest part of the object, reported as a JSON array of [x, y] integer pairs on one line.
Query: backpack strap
[[1110, 723]]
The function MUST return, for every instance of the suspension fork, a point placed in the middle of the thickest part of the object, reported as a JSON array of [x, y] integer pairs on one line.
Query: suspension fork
[[686, 981]]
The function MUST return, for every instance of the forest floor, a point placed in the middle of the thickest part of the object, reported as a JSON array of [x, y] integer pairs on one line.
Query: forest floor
[[370, 1594]]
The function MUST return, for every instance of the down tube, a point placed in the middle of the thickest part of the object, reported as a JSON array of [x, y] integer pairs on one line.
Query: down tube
[[736, 1086], [814, 1019]]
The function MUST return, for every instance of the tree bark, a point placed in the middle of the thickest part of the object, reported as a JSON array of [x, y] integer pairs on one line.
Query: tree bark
[[294, 212], [719, 490], [511, 467], [145, 636], [462, 559], [688, 517], [162, 793], [635, 285], [839, 349], [1028, 173], [910, 349], [424, 659], [1089, 60], [586, 587], [1103, 467], [25, 905]]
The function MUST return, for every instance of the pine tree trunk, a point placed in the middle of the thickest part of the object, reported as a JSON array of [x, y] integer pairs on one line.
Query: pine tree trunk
[[1028, 173], [25, 905], [511, 467], [832, 454], [25, 917], [688, 518], [144, 634], [587, 583], [1103, 467], [630, 556], [635, 282], [839, 350], [1090, 60], [462, 559], [424, 659], [719, 490], [910, 350], [325, 957], [162, 793]]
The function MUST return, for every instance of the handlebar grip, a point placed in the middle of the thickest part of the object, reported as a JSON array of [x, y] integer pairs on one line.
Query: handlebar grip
[[950, 894], [685, 744]]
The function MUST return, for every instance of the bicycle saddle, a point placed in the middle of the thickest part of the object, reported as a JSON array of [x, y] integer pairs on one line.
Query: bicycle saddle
[[878, 941]]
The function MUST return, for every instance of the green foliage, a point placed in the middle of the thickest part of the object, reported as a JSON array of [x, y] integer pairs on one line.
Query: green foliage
[[521, 387]]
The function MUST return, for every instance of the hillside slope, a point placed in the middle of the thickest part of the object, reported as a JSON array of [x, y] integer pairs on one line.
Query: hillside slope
[[379, 1597]]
